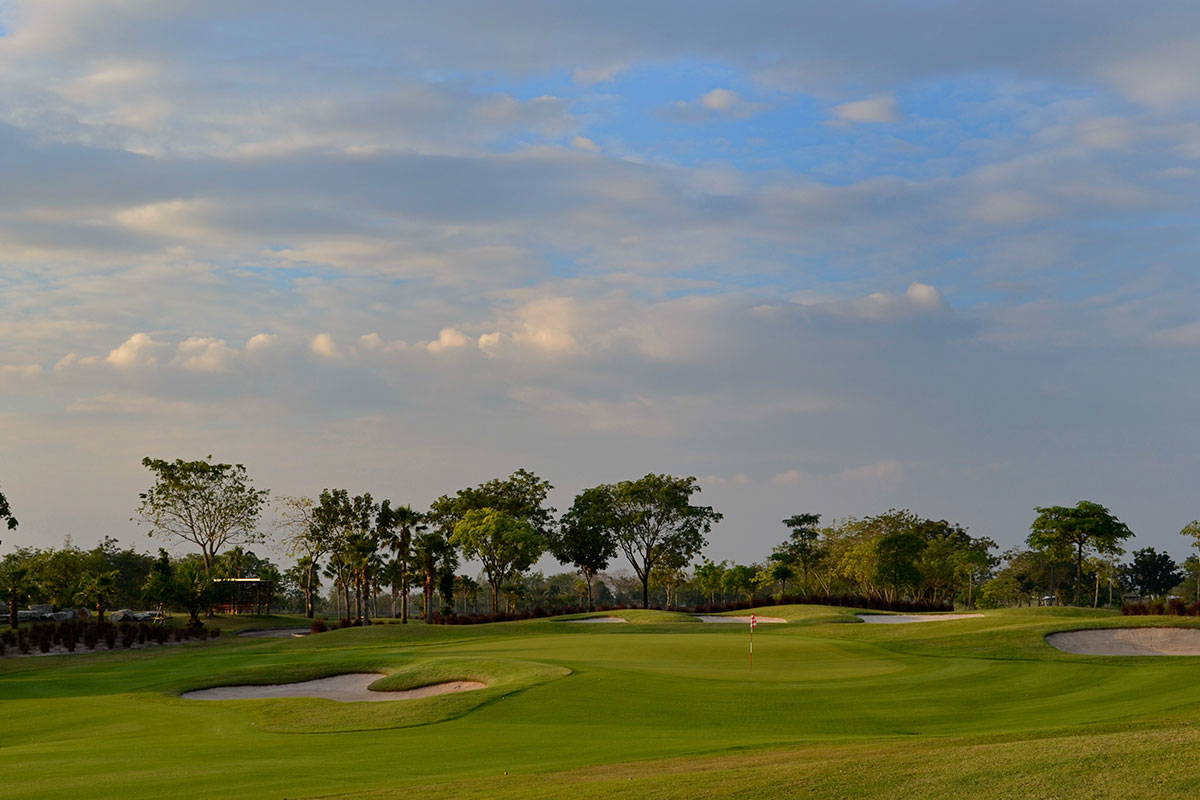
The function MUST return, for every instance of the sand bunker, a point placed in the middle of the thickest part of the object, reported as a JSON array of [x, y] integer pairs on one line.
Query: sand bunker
[[901, 619], [278, 633], [350, 688], [597, 619], [742, 620], [1129, 642]]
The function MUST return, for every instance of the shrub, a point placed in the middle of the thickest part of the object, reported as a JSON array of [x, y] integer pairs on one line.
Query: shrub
[[1176, 606], [318, 626]]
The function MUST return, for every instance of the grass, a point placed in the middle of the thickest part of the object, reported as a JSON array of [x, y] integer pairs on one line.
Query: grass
[[662, 707]]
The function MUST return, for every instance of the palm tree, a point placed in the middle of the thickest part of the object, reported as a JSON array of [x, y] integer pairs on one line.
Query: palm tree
[[15, 584], [433, 555], [97, 591], [397, 527]]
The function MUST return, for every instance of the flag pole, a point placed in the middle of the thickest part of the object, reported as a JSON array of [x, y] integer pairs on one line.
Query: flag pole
[[753, 625]]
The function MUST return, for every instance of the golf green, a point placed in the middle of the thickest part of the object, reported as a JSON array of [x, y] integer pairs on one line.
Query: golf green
[[662, 707]]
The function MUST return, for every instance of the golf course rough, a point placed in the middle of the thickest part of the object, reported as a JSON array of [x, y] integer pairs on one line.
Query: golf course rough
[[667, 709]]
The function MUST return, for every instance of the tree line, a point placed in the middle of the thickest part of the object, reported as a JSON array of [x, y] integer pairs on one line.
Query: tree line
[[366, 552]]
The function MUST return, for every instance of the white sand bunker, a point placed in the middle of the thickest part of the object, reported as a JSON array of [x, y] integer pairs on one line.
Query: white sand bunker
[[901, 619], [350, 688], [742, 620], [597, 619], [1129, 642], [277, 633]]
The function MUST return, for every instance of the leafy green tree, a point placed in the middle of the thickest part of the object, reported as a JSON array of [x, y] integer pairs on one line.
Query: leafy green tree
[[710, 578], [97, 591], [585, 538], [397, 526], [194, 590], [16, 582], [654, 521], [160, 587], [741, 579], [308, 542], [504, 544], [522, 495], [802, 551], [6, 514], [210, 505], [349, 524], [896, 563], [433, 556], [1085, 528], [1153, 573]]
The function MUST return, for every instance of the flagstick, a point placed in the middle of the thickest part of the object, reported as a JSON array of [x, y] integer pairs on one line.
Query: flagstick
[[751, 647]]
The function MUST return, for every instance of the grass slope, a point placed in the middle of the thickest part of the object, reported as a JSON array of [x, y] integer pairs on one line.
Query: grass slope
[[660, 707]]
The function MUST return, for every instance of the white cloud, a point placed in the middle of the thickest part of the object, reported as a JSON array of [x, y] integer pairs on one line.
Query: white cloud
[[448, 339], [323, 345], [714, 104], [882, 108], [202, 354], [139, 350]]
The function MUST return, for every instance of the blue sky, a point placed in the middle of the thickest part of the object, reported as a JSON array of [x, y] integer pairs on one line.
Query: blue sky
[[827, 258]]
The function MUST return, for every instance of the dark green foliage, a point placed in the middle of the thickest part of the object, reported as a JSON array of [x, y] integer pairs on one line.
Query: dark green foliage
[[1085, 528], [6, 513], [1152, 572], [585, 538], [210, 505]]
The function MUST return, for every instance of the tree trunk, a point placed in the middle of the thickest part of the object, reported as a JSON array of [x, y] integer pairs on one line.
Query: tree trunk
[[495, 586], [12, 611], [646, 590], [404, 597], [588, 577], [429, 598]]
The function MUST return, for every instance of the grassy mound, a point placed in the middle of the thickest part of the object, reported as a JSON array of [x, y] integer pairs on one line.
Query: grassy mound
[[656, 708]]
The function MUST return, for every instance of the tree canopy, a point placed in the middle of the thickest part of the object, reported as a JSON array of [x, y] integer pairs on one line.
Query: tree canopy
[[586, 538], [6, 514], [1085, 528], [504, 544], [522, 495], [654, 520], [210, 505]]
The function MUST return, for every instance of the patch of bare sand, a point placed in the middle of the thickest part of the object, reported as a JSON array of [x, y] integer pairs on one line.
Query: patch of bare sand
[[742, 620], [277, 633], [902, 619], [350, 688], [1128, 642]]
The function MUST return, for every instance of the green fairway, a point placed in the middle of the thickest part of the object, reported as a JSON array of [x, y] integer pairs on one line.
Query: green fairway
[[660, 707]]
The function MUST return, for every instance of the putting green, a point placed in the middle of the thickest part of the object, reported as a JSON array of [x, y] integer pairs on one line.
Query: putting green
[[830, 708]]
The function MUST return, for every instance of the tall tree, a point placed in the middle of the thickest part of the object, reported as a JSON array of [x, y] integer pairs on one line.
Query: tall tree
[[308, 542], [1153, 573], [397, 526], [210, 505], [522, 495], [97, 591], [654, 519], [585, 538], [1192, 531], [504, 544], [802, 550], [6, 513], [16, 581], [433, 556], [1085, 528]]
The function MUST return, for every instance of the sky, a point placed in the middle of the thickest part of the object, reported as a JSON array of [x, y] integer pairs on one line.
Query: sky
[[826, 257]]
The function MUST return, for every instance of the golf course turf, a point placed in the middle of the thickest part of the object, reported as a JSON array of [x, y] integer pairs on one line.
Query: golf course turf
[[660, 707]]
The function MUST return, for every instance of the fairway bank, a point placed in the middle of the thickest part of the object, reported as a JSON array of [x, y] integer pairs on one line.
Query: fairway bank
[[880, 702]]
